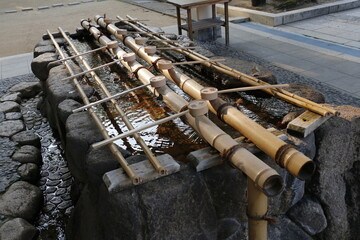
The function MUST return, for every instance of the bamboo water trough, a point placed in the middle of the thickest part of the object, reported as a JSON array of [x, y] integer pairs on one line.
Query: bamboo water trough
[[284, 155], [282, 94], [263, 181]]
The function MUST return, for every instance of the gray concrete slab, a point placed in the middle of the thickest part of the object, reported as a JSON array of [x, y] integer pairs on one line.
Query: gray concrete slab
[[17, 65]]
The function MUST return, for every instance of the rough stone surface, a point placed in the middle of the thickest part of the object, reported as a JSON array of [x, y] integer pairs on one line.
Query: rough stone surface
[[39, 65], [21, 200], [308, 214], [60, 41], [287, 230], [307, 92], [66, 107], [152, 209], [58, 91], [9, 106], [13, 116], [100, 161], [338, 142], [231, 229], [8, 174], [2, 117], [27, 89], [14, 97], [222, 182], [44, 49], [17, 229], [81, 133], [27, 138], [29, 172], [11, 127], [27, 154], [250, 68]]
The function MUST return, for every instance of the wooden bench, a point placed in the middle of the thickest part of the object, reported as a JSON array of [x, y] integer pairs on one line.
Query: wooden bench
[[203, 23]]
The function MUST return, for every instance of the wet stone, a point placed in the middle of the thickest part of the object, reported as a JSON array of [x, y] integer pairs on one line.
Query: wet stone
[[13, 116], [53, 177], [64, 205], [53, 183], [63, 171], [14, 97], [60, 191], [9, 106], [66, 176], [11, 127], [65, 184], [66, 197], [27, 138], [49, 207], [27, 154], [55, 200], [50, 190]]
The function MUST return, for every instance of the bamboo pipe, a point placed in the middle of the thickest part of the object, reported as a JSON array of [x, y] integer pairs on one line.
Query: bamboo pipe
[[265, 177], [128, 170], [297, 164], [257, 208], [282, 94], [104, 40]]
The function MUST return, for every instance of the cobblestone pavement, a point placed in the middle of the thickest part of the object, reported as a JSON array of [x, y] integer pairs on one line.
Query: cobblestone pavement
[[55, 180]]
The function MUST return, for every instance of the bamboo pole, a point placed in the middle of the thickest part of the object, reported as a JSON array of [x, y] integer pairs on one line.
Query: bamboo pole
[[109, 98], [91, 70], [282, 94], [257, 208], [296, 163], [195, 62], [243, 89], [265, 177], [134, 178], [138, 129], [75, 56], [103, 39]]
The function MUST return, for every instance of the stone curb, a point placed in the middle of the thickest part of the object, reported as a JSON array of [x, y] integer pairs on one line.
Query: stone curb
[[272, 19]]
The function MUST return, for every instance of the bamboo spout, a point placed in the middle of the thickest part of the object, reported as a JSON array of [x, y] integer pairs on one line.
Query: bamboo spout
[[298, 164], [256, 210]]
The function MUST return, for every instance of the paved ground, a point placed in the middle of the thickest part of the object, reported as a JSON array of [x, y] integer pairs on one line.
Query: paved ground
[[334, 60], [342, 27]]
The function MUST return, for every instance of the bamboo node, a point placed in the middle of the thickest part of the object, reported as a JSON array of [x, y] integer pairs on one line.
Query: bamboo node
[[279, 156], [266, 217]]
